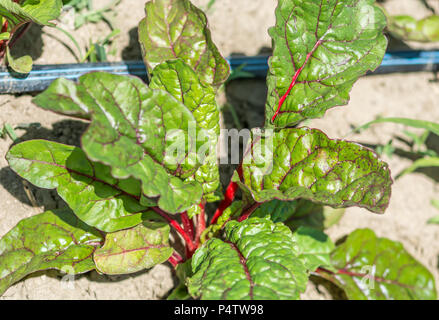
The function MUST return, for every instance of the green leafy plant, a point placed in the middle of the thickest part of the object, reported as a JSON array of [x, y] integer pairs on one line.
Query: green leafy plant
[[97, 51], [426, 157], [84, 12], [147, 166], [405, 27], [16, 17], [408, 28]]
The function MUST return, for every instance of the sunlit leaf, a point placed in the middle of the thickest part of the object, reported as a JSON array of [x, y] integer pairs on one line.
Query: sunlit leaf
[[258, 260], [135, 249], [372, 268], [50, 240], [304, 163], [176, 29], [88, 188], [320, 48]]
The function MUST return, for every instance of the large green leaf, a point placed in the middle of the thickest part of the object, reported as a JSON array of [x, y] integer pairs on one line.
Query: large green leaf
[[320, 48], [299, 213], [314, 247], [65, 97], [258, 260], [176, 29], [143, 133], [307, 164], [50, 240], [183, 83], [135, 249], [178, 78], [38, 11], [378, 268], [88, 188]]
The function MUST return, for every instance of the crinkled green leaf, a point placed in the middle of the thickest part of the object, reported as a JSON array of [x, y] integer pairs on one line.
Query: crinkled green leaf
[[88, 188], [258, 260], [37, 11], [307, 164], [379, 269], [178, 78], [50, 240], [139, 132], [20, 65], [314, 247], [176, 29], [299, 213], [320, 48], [135, 249], [408, 28]]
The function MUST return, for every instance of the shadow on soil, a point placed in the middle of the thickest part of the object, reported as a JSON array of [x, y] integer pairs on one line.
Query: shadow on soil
[[132, 52], [30, 44], [67, 132]]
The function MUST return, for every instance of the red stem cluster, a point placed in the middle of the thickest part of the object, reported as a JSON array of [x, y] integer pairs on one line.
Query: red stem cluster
[[191, 229]]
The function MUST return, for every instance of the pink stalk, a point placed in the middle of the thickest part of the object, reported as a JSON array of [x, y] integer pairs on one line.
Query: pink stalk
[[248, 211], [201, 224], [173, 223], [229, 196], [294, 81]]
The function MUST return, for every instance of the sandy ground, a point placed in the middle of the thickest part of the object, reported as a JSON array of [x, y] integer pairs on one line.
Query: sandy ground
[[237, 27]]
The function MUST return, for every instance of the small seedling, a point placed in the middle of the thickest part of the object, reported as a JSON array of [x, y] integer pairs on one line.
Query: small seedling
[[15, 19], [428, 158]]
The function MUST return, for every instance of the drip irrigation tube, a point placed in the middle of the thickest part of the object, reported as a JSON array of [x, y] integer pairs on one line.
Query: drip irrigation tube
[[42, 75]]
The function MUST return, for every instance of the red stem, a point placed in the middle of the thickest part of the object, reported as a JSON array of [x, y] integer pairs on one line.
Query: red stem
[[177, 227], [201, 224], [175, 259], [249, 211], [294, 81], [189, 229], [5, 26], [229, 196], [3, 42], [352, 274], [187, 224]]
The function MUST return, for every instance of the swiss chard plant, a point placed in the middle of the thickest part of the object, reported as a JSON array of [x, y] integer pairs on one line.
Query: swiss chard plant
[[16, 16], [406, 27], [147, 167]]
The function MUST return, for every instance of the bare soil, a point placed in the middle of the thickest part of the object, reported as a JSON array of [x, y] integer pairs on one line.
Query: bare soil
[[238, 27]]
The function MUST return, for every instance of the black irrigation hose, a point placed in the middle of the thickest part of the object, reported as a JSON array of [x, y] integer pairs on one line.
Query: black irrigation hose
[[42, 75]]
